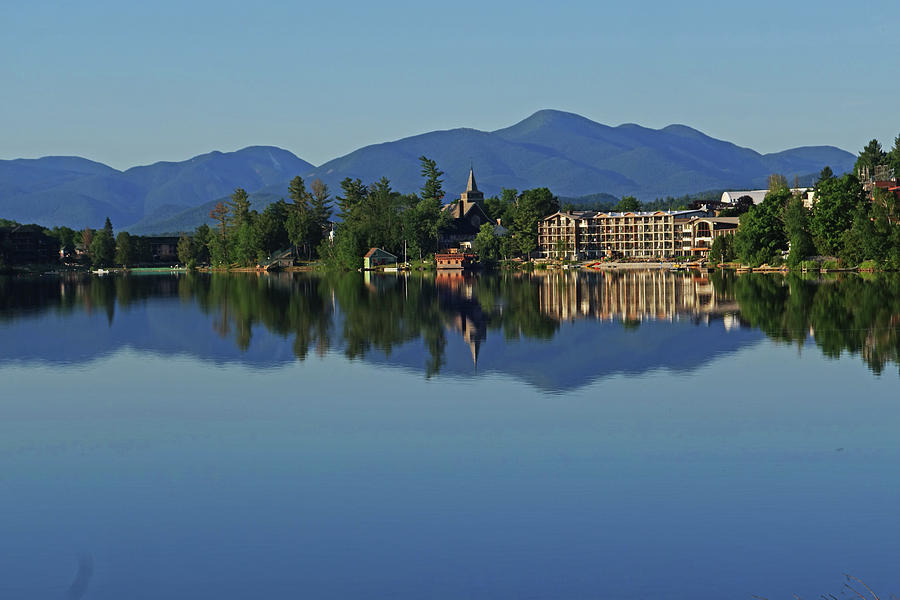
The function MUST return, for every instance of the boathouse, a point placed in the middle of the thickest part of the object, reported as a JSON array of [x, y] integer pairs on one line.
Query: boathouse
[[376, 257]]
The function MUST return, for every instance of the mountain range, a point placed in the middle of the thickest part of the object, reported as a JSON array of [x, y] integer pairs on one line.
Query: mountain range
[[571, 155]]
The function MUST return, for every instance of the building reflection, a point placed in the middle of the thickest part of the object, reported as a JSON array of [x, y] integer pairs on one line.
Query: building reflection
[[464, 314], [634, 295]]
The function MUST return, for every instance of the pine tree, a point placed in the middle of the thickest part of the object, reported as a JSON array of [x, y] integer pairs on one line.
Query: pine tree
[[433, 183]]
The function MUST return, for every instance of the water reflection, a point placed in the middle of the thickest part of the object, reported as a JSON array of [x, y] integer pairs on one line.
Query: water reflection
[[517, 323]]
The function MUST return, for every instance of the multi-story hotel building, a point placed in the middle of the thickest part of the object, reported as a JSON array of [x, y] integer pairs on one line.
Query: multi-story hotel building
[[590, 234], [697, 234]]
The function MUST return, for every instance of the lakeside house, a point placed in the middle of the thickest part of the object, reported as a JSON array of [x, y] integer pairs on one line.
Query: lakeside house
[[591, 234]]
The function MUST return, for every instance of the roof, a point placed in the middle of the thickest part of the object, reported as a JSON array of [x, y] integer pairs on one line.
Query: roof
[[453, 209], [732, 197], [723, 220], [756, 195], [589, 214], [372, 252]]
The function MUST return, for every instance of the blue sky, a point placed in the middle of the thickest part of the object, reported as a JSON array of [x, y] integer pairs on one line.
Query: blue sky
[[129, 83]]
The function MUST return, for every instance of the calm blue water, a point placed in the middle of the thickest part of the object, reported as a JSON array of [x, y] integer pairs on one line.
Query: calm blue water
[[239, 437]]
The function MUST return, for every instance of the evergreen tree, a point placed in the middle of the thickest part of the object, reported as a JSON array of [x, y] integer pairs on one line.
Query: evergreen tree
[[320, 213], [238, 208], [870, 157], [893, 158], [354, 193], [201, 240], [300, 219], [218, 244], [272, 224], [433, 183]]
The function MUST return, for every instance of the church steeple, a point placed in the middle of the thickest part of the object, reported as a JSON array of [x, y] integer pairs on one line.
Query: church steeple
[[470, 196], [470, 186]]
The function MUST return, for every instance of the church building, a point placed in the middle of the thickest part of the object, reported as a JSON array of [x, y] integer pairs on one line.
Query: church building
[[467, 216]]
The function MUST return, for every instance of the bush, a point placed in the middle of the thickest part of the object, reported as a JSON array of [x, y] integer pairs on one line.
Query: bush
[[868, 265], [809, 265], [831, 264]]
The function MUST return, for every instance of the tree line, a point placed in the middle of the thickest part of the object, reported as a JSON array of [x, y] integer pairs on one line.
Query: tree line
[[845, 221], [373, 215]]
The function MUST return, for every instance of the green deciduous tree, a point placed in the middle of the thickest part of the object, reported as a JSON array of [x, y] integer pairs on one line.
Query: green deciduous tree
[[186, 250], [531, 207], [796, 228], [627, 204], [124, 249], [717, 250], [103, 249], [760, 238], [832, 214], [65, 235], [487, 244]]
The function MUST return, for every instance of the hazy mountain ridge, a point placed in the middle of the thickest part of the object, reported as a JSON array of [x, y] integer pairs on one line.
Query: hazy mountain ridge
[[64, 191], [568, 153]]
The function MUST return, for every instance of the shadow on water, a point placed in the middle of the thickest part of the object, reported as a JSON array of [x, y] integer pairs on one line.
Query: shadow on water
[[576, 325]]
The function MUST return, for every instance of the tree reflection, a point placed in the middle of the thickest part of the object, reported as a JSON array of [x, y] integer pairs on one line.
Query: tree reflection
[[358, 314]]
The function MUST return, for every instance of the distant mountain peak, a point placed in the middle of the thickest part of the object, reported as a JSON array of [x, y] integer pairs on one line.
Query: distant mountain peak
[[570, 154]]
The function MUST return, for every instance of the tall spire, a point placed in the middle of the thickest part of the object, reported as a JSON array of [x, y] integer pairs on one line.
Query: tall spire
[[470, 186]]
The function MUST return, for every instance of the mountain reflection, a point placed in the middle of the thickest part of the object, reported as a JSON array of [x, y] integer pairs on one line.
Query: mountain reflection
[[554, 329]]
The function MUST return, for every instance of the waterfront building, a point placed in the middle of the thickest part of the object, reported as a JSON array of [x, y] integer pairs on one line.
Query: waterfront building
[[25, 244], [376, 257], [454, 259], [698, 233], [590, 234]]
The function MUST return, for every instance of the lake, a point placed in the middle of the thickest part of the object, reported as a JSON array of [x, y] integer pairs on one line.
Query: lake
[[639, 434]]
